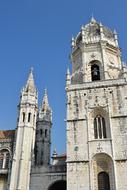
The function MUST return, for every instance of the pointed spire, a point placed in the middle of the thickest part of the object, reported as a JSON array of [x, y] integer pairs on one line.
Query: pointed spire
[[72, 42], [115, 32], [101, 24], [45, 112], [116, 38], [45, 103], [92, 19], [101, 31], [68, 71], [68, 77], [30, 86]]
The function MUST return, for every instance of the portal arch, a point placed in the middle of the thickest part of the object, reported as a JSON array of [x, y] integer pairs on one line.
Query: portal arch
[[103, 172]]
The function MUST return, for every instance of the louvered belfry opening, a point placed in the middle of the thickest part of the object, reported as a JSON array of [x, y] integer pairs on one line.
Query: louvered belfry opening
[[95, 72], [103, 181]]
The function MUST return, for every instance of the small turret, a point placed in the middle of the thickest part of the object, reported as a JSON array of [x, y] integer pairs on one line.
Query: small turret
[[72, 42], [68, 78], [116, 38]]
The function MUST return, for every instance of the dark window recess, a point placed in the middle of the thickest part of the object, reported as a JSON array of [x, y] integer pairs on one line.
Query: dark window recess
[[29, 117], [34, 119], [95, 129], [23, 116], [95, 72], [41, 132], [46, 132]]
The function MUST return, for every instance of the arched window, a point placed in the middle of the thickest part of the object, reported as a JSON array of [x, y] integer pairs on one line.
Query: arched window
[[4, 159], [95, 72], [103, 181], [23, 116], [46, 132], [41, 132], [34, 119], [99, 127], [29, 117]]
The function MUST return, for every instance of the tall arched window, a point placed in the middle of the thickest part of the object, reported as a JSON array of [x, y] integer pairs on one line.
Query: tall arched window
[[103, 181], [99, 127], [29, 117], [95, 72], [4, 159], [23, 116]]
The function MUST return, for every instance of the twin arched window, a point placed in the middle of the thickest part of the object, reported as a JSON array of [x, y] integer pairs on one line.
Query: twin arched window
[[99, 127], [4, 159]]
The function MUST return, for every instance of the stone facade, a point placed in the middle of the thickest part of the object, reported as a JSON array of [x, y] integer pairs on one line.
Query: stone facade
[[96, 112], [96, 157]]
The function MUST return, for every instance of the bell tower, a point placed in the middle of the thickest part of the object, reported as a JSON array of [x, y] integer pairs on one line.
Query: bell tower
[[96, 111], [25, 137], [95, 54]]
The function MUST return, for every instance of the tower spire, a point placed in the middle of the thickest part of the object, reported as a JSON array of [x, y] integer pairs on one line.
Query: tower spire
[[68, 77], [45, 102], [45, 112], [92, 19], [30, 85], [44, 123]]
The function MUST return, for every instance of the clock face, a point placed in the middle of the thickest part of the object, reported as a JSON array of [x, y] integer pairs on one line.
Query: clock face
[[111, 60]]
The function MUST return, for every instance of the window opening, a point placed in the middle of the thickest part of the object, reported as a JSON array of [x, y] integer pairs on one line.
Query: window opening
[[41, 132], [99, 127], [95, 72], [34, 119], [29, 117], [45, 132], [23, 115], [4, 159]]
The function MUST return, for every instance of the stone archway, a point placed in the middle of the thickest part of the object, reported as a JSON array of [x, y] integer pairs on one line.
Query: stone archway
[[58, 185], [103, 172]]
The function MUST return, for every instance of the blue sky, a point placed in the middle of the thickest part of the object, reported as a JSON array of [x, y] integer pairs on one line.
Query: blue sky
[[37, 33]]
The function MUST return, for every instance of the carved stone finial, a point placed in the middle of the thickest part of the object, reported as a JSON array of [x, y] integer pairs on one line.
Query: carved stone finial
[[93, 19]]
